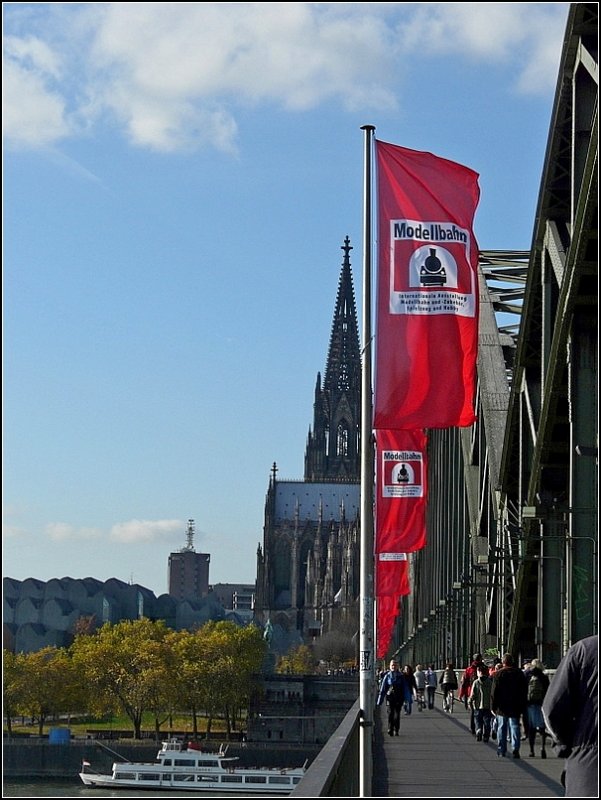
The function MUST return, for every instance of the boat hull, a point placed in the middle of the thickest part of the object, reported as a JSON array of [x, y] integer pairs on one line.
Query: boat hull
[[185, 767], [96, 781]]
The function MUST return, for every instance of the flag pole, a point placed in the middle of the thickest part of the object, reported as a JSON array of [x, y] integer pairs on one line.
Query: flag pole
[[366, 598]]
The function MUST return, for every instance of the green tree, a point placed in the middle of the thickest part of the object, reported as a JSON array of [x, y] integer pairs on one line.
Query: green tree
[[192, 672], [125, 665], [229, 658], [46, 682], [12, 683]]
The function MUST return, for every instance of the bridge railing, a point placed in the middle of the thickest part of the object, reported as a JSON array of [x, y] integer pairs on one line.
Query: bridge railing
[[335, 771]]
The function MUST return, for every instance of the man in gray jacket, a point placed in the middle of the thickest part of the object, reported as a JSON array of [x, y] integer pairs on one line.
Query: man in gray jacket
[[570, 709]]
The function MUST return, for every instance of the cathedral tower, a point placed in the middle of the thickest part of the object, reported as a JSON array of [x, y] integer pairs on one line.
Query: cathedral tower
[[333, 446], [308, 567]]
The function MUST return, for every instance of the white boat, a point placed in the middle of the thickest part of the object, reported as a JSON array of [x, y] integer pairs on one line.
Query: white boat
[[184, 767]]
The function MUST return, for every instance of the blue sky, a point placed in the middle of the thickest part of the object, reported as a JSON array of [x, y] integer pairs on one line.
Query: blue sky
[[178, 182]]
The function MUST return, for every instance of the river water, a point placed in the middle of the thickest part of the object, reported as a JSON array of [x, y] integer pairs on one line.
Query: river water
[[73, 789]]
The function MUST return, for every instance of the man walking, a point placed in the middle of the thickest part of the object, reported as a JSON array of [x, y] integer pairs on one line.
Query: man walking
[[394, 690], [509, 699]]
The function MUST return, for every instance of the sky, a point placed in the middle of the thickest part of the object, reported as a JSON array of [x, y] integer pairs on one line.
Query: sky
[[178, 181]]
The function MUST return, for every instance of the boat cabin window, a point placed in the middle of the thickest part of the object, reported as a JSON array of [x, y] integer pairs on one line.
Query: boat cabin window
[[231, 779], [207, 778], [296, 780], [279, 779], [166, 762], [149, 776], [184, 762], [166, 776], [123, 775], [255, 779], [183, 778]]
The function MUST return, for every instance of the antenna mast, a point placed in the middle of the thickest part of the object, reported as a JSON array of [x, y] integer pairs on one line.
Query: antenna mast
[[190, 536]]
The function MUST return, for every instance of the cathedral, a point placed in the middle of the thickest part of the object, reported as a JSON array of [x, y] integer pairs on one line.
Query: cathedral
[[308, 567]]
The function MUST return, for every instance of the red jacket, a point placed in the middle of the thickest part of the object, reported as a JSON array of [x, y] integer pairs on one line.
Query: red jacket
[[469, 676]]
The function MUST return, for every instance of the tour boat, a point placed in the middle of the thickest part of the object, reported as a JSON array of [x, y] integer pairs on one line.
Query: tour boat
[[184, 767]]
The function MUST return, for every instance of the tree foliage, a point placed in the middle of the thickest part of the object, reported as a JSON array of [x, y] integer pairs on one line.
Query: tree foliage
[[137, 667], [125, 667], [40, 684], [299, 661]]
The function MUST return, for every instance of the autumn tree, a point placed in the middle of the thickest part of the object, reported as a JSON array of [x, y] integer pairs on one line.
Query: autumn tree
[[126, 665], [299, 661], [47, 683], [231, 657], [192, 673], [12, 683]]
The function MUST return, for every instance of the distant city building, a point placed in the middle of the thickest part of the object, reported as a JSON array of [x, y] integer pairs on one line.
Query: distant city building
[[238, 598], [189, 570], [308, 567], [38, 614]]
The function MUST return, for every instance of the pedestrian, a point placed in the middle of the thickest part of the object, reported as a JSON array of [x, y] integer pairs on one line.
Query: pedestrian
[[431, 684], [448, 683], [392, 688], [469, 676], [526, 670], [480, 703], [508, 702], [538, 683], [411, 687], [420, 687], [570, 710], [496, 665]]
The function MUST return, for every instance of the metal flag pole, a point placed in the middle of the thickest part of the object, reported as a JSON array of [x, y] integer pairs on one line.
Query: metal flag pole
[[366, 599]]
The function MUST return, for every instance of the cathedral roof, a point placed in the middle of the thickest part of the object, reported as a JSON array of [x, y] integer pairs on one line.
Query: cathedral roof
[[308, 498]]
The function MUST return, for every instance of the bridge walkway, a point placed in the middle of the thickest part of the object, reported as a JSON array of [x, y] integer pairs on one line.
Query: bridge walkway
[[435, 755]]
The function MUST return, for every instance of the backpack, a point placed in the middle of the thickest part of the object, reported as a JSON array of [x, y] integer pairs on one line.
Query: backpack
[[536, 690]]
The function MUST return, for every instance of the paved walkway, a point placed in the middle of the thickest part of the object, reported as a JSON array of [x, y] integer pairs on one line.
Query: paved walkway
[[435, 755]]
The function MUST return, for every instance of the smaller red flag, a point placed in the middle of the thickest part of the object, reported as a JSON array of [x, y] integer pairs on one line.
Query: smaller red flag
[[387, 612], [401, 491]]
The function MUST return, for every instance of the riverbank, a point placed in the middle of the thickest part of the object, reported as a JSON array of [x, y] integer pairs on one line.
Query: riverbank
[[37, 758]]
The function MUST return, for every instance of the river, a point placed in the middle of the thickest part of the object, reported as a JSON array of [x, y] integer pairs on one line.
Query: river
[[50, 788]]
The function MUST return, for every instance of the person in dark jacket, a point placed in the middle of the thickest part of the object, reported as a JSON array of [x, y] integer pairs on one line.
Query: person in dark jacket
[[448, 682], [538, 683], [508, 702], [570, 709], [393, 688]]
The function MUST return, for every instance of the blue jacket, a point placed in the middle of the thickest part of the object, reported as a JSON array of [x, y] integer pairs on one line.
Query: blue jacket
[[394, 679]]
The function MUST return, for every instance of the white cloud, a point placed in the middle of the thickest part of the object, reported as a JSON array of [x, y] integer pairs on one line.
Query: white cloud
[[174, 74], [13, 531], [526, 36], [62, 531], [33, 113], [144, 530]]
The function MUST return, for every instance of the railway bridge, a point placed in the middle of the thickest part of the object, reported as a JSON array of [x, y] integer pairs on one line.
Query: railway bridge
[[511, 561]]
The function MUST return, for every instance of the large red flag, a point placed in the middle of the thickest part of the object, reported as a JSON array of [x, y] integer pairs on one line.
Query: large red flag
[[401, 472], [427, 306]]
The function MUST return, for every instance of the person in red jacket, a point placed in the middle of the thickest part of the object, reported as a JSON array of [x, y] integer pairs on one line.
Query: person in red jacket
[[465, 691]]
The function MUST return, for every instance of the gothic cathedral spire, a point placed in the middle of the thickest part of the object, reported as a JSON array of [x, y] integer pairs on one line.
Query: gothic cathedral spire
[[333, 447]]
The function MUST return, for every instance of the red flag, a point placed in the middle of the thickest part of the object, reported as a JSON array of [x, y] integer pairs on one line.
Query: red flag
[[401, 470], [392, 575], [427, 306], [387, 612]]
